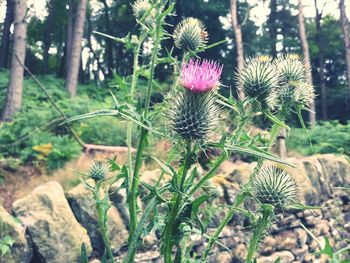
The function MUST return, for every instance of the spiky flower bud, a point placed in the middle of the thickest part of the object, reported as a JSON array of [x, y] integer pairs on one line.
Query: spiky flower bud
[[190, 34], [258, 78], [275, 186], [293, 87], [140, 8], [98, 171], [291, 68], [193, 110]]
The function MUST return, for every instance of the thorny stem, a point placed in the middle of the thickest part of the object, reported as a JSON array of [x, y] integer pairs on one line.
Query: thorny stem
[[136, 181], [135, 75], [170, 225], [102, 221], [259, 231], [153, 62], [143, 138]]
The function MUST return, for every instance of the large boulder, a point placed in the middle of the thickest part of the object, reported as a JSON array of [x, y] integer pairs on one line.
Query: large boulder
[[83, 206], [10, 228], [55, 232]]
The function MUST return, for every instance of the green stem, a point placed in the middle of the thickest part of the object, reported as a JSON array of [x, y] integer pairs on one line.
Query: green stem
[[239, 200], [102, 221], [153, 63], [135, 237], [170, 225], [135, 76], [135, 182], [273, 135], [259, 231]]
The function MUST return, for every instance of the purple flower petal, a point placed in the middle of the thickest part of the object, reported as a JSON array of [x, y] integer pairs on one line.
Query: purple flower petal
[[200, 76]]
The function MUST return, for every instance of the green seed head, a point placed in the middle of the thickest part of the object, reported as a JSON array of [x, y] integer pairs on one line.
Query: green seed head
[[190, 34], [193, 116], [98, 171], [275, 186]]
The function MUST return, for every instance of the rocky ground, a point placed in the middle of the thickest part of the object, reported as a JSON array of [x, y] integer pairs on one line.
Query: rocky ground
[[50, 224]]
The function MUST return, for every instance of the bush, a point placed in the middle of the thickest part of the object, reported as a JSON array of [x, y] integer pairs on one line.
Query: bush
[[326, 137]]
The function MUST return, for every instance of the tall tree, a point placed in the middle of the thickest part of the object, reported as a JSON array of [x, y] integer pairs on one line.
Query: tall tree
[[70, 34], [321, 61], [305, 48], [273, 27], [345, 27], [75, 53], [47, 36], [239, 41], [109, 42], [5, 40], [14, 93]]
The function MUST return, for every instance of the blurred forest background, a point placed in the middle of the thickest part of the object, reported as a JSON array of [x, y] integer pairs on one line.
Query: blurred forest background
[[76, 67]]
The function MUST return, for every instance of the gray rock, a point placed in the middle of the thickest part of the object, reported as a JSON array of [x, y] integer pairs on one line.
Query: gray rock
[[51, 224], [84, 208], [21, 251]]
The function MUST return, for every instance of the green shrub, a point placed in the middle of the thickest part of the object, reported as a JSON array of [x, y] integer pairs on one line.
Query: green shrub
[[326, 137]]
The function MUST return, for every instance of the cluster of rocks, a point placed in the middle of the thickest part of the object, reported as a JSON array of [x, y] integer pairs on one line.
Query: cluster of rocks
[[49, 225]]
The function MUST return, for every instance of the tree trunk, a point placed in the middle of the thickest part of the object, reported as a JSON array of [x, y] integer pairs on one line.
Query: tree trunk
[[73, 70], [109, 42], [70, 34], [345, 27], [321, 63], [281, 142], [14, 93], [47, 37], [5, 40], [305, 48], [273, 27], [239, 42]]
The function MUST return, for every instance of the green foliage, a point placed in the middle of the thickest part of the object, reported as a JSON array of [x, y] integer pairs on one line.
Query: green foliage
[[326, 137], [35, 135]]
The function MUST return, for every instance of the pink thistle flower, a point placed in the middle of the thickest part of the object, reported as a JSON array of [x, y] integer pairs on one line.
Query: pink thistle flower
[[200, 76]]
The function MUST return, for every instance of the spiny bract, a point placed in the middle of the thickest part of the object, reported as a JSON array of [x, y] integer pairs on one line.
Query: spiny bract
[[98, 171], [193, 116], [258, 78], [274, 186], [291, 68], [190, 34]]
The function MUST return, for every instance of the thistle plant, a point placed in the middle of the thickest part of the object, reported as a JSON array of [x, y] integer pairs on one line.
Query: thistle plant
[[192, 110], [98, 172]]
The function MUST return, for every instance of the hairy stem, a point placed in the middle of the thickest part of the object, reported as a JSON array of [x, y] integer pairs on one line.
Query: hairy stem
[[170, 224]]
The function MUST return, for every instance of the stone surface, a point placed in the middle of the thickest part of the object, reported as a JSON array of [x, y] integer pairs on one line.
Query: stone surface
[[285, 257], [21, 250], [83, 206], [51, 224]]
